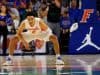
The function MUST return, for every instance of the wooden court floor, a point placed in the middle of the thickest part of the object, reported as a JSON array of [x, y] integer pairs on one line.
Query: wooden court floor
[[45, 65]]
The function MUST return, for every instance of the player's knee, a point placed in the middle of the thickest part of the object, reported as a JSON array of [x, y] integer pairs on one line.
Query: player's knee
[[53, 37], [14, 38]]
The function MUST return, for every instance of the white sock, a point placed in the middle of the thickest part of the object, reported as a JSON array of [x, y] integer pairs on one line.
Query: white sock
[[57, 55], [10, 56]]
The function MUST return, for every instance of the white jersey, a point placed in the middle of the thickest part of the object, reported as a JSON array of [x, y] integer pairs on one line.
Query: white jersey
[[30, 35]]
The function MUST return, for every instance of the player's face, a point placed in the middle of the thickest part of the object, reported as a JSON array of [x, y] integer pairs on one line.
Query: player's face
[[30, 18]]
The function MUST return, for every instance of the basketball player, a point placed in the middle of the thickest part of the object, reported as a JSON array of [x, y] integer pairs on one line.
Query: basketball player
[[36, 29]]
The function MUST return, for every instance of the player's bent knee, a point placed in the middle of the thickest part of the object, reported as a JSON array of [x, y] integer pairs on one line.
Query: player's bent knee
[[53, 37], [14, 38]]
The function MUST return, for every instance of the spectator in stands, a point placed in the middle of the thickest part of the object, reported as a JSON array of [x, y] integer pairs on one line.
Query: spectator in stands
[[29, 8], [22, 11], [36, 5], [64, 8], [5, 19], [42, 13], [4, 1], [15, 16], [65, 23], [18, 3], [53, 17], [73, 11]]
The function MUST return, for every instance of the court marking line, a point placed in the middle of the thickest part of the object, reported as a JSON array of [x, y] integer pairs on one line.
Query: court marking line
[[65, 67], [3, 73], [69, 72]]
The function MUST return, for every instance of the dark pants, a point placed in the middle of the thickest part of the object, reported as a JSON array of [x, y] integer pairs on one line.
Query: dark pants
[[4, 32], [64, 42]]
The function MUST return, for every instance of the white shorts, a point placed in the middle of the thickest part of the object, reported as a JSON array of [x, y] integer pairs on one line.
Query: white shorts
[[42, 36]]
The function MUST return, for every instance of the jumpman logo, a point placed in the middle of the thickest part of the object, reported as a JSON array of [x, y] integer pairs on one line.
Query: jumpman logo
[[87, 41]]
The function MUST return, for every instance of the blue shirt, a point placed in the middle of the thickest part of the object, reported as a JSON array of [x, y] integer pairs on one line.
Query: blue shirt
[[65, 22], [74, 14], [6, 19]]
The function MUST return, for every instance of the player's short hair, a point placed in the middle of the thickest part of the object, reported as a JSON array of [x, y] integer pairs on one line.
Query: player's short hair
[[31, 14]]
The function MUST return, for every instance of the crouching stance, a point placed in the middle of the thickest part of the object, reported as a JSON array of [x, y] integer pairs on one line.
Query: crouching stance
[[34, 28]]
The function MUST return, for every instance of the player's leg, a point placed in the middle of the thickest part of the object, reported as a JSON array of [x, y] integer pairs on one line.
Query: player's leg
[[12, 46], [54, 40]]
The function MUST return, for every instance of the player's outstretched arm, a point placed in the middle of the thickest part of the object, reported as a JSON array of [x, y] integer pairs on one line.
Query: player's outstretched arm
[[19, 34], [20, 29]]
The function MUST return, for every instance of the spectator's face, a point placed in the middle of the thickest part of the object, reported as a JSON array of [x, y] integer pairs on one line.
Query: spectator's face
[[53, 1], [73, 3], [31, 5], [30, 18], [65, 15], [3, 8]]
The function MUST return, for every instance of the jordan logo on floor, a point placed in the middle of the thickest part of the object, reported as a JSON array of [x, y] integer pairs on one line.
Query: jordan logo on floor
[[87, 41]]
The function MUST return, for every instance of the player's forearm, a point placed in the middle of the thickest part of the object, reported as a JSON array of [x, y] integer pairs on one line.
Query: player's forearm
[[19, 34], [21, 29]]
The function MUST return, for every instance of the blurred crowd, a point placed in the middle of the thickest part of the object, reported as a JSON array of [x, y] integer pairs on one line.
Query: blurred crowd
[[59, 15]]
